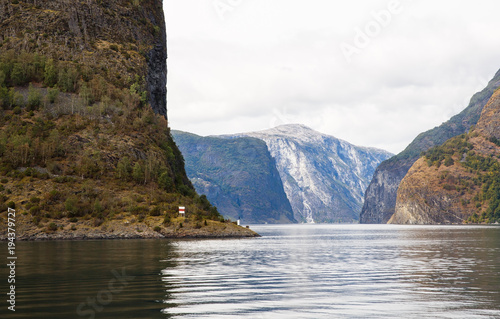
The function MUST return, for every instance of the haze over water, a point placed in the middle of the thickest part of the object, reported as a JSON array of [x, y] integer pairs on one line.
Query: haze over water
[[293, 271]]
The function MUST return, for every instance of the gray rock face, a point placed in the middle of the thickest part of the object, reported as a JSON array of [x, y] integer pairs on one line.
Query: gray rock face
[[81, 26], [156, 78], [238, 175], [324, 177], [380, 197]]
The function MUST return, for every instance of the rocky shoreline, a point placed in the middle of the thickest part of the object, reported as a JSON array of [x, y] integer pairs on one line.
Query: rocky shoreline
[[126, 228]]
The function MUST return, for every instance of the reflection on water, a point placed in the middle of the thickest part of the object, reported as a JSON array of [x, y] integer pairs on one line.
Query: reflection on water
[[340, 272], [55, 278], [299, 271]]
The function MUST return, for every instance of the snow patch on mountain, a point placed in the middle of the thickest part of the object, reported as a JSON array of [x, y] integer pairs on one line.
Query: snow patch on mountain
[[323, 177]]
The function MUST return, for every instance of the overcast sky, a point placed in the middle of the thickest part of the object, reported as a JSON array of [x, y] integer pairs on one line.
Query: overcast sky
[[374, 73]]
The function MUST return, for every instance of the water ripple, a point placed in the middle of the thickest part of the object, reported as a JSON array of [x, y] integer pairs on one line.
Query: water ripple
[[339, 272]]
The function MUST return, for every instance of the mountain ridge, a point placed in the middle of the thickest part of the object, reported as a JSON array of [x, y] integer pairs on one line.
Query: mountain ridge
[[381, 194], [324, 177], [237, 175], [457, 182]]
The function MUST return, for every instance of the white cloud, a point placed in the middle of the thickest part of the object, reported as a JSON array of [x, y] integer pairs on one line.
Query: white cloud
[[274, 61]]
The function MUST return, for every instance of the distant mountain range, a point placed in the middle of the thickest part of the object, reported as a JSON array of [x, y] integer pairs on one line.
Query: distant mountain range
[[323, 178], [238, 175]]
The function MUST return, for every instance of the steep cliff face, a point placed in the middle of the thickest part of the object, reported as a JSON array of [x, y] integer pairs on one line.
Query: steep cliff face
[[84, 139], [324, 177], [380, 197], [117, 39], [457, 182], [422, 199], [156, 77], [379, 201], [239, 176]]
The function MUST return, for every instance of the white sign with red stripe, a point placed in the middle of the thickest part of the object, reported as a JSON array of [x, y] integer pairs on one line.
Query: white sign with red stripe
[[182, 210]]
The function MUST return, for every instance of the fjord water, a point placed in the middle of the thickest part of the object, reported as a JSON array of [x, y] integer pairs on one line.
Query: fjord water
[[293, 271]]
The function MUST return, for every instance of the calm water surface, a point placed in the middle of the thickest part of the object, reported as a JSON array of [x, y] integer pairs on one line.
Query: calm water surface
[[293, 271]]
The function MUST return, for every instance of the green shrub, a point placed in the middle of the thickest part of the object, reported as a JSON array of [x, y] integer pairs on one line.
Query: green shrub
[[167, 220], [98, 209], [35, 200], [156, 30], [50, 74], [70, 205], [52, 94], [67, 79], [31, 172], [64, 179], [17, 110], [136, 210], [53, 195], [35, 210], [2, 78], [448, 161], [17, 98], [34, 98], [11, 204], [140, 217], [123, 169], [5, 98], [165, 182], [36, 220], [494, 140], [186, 191], [52, 227], [18, 75], [138, 172], [156, 211], [157, 228], [86, 95]]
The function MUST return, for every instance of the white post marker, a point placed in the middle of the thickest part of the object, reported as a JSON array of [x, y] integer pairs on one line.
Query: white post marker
[[182, 211]]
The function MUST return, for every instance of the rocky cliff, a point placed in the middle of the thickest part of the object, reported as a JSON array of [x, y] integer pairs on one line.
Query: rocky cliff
[[117, 39], [239, 176], [85, 147], [324, 177], [380, 197], [457, 182]]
